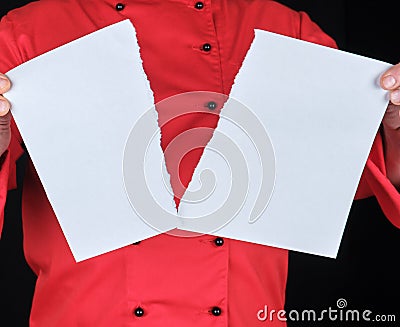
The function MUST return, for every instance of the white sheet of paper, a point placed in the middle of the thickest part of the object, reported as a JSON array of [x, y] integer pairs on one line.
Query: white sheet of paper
[[75, 107], [321, 108], [320, 124]]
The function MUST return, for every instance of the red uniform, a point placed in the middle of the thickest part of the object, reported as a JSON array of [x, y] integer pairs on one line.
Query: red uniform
[[165, 280]]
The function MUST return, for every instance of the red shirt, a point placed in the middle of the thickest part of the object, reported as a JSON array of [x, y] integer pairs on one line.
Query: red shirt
[[175, 281]]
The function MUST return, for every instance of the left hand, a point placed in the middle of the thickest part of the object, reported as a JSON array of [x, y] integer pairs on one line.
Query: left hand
[[390, 81]]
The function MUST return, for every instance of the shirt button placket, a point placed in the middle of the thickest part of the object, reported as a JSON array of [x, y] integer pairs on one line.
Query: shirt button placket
[[209, 43], [217, 310]]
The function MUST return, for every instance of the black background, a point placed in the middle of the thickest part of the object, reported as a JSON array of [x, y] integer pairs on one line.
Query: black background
[[366, 272]]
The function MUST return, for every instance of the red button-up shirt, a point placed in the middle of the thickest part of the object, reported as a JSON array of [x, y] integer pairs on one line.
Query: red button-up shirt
[[175, 281]]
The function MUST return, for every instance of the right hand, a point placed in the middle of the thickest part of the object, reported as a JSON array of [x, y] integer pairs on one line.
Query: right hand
[[5, 115]]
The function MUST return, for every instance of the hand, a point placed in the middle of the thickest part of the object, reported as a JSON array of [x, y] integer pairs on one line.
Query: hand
[[390, 81], [5, 115]]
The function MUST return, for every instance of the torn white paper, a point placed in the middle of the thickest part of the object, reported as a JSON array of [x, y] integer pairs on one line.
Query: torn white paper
[[321, 108], [75, 107]]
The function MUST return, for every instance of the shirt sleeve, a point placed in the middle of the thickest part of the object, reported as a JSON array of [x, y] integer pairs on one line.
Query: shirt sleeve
[[9, 58], [373, 181]]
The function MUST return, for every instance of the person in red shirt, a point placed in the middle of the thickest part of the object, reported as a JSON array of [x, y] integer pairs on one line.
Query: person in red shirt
[[166, 280]]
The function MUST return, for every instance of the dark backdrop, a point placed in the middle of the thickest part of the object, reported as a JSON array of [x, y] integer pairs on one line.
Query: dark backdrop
[[365, 273]]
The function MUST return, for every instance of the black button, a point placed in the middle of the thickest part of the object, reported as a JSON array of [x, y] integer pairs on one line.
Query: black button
[[120, 6], [199, 5], [206, 47], [139, 312], [219, 241], [216, 311], [136, 243], [211, 105]]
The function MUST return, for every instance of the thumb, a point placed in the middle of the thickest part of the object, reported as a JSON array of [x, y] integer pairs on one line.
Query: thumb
[[5, 132]]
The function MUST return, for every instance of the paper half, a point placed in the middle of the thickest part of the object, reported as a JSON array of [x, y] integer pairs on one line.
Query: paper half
[[321, 109], [75, 107]]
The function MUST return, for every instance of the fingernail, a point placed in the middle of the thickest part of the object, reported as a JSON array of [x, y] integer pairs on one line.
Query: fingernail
[[389, 81], [3, 83], [395, 97], [3, 106]]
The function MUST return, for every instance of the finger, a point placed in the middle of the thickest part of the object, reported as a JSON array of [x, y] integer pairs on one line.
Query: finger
[[390, 79], [395, 97], [4, 106], [391, 118], [5, 84], [5, 122]]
